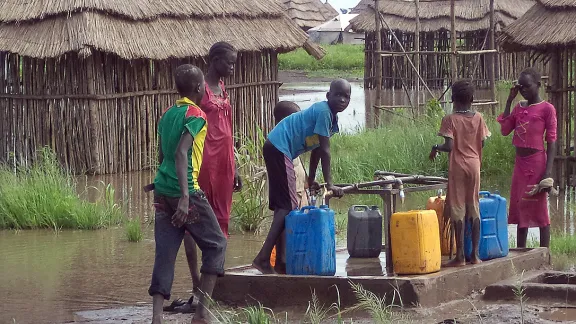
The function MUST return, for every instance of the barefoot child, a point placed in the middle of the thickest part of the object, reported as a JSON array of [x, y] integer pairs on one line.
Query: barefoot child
[[281, 111], [180, 204], [219, 176], [532, 121], [307, 130], [464, 132]]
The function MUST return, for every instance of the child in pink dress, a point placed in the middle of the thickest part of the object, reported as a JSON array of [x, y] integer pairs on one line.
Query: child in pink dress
[[532, 121]]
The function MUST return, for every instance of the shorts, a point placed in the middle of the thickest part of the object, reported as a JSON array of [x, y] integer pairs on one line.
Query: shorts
[[281, 179]]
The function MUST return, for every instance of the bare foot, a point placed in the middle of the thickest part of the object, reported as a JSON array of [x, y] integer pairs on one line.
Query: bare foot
[[455, 263], [263, 266], [475, 260]]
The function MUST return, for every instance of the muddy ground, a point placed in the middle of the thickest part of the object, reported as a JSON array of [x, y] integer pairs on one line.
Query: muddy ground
[[469, 311]]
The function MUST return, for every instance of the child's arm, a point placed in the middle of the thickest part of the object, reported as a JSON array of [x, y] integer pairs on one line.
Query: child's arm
[[181, 158], [551, 136], [323, 153], [446, 147], [446, 131]]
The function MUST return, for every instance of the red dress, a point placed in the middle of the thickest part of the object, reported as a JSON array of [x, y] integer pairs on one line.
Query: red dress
[[216, 177]]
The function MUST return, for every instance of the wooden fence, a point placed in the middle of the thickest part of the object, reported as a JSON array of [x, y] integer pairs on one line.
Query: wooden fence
[[435, 62], [99, 113]]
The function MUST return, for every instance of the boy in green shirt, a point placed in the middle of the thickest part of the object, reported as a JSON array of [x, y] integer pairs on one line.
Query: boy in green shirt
[[180, 204]]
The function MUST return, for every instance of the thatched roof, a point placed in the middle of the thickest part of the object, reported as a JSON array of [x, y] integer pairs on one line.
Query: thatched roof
[[361, 6], [549, 23], [328, 11], [471, 15], [155, 29], [309, 13]]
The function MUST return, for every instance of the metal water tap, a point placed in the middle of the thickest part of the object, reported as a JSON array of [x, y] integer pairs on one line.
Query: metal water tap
[[401, 187]]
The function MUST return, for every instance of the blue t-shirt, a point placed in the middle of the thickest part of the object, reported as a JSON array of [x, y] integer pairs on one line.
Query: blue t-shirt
[[298, 133]]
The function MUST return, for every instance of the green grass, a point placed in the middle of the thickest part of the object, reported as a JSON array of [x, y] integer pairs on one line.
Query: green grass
[[404, 146], [339, 61], [43, 195], [562, 243], [133, 228], [250, 205]]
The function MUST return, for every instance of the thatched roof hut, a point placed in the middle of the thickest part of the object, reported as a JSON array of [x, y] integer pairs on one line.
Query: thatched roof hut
[[90, 78], [328, 11], [549, 23], [472, 27], [548, 29], [309, 13], [471, 15]]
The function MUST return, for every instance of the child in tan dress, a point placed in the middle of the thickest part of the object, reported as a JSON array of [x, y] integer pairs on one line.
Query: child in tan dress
[[464, 132]]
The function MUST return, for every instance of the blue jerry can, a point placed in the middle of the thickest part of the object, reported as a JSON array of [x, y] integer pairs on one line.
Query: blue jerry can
[[311, 242], [493, 228]]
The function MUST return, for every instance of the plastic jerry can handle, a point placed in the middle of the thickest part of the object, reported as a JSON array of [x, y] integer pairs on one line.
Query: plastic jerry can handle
[[359, 207], [485, 193], [306, 208]]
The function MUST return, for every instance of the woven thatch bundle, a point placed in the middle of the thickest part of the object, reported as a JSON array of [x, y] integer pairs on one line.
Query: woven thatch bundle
[[309, 13], [155, 29], [548, 23], [471, 15]]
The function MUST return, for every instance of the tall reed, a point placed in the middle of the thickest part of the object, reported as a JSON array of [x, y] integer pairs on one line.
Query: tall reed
[[250, 205], [404, 146], [43, 195]]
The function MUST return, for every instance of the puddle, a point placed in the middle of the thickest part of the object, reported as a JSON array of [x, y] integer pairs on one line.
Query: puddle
[[566, 315]]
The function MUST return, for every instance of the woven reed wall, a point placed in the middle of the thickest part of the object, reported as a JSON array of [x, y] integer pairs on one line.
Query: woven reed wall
[[99, 113], [561, 93], [435, 68]]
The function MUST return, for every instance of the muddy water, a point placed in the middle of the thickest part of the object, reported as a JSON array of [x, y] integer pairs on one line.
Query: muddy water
[[47, 277]]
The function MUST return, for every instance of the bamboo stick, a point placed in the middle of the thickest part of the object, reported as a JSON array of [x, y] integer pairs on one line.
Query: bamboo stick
[[417, 49], [378, 33], [453, 63]]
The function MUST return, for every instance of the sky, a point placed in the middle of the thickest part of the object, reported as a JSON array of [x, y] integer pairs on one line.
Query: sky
[[342, 3]]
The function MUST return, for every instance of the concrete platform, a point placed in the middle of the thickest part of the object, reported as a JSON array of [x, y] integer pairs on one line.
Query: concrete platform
[[246, 286], [549, 285]]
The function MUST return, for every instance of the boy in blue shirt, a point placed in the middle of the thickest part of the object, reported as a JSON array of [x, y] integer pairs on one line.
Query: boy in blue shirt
[[304, 131]]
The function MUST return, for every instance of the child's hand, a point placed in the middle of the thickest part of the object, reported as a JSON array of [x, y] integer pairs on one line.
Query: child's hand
[[181, 215], [237, 182], [433, 153], [336, 191], [513, 92]]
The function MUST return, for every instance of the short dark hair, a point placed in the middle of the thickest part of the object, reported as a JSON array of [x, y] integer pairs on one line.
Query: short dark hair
[[284, 109], [533, 73], [187, 78], [463, 91], [220, 49]]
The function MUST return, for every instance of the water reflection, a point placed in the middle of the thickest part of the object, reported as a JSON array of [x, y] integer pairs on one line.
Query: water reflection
[[46, 277]]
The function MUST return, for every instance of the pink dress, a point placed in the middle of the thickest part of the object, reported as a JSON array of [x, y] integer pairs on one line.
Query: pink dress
[[531, 125], [216, 177]]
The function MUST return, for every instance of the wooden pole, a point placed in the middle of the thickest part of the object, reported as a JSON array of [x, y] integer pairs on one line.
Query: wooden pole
[[417, 49], [492, 57], [95, 133], [378, 35], [453, 63]]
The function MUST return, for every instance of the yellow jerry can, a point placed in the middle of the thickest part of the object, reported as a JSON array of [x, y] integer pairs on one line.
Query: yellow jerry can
[[437, 204], [415, 242]]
